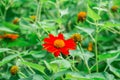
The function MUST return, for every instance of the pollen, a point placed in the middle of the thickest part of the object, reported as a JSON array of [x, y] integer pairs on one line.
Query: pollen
[[14, 70], [76, 37], [59, 43], [81, 16]]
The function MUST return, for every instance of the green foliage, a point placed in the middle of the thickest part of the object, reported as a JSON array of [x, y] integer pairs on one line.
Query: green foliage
[[96, 57]]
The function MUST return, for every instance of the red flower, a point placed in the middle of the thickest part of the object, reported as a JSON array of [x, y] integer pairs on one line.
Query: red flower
[[57, 45]]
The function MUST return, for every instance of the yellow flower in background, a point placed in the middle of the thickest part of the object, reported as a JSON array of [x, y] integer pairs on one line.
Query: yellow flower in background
[[90, 46], [33, 17], [114, 8], [14, 70], [81, 16], [15, 21], [76, 37]]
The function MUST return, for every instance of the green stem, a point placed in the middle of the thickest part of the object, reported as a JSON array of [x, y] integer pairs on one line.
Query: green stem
[[79, 45], [38, 12], [96, 47], [74, 65], [23, 74]]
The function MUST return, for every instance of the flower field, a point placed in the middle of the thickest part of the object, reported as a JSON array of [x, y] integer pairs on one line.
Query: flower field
[[59, 39]]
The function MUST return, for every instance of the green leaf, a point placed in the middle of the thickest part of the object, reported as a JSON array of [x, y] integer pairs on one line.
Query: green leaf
[[35, 66], [115, 71], [20, 42], [10, 25], [108, 25], [63, 63], [33, 77], [92, 14], [47, 65], [4, 49], [59, 74], [76, 76], [89, 31], [38, 77], [7, 59], [38, 54], [100, 76], [106, 56], [92, 76], [4, 29]]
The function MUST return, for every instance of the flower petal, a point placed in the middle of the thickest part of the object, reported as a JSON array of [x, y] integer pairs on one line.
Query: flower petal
[[56, 54], [48, 40], [51, 36], [50, 48], [65, 51], [60, 36], [70, 44]]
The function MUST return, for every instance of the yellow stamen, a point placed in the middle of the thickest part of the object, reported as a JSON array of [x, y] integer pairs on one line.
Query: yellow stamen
[[59, 43]]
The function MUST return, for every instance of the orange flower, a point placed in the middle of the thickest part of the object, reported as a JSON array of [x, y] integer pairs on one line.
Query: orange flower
[[1, 37], [90, 46], [15, 21], [114, 8], [11, 36], [14, 70], [57, 45], [81, 16]]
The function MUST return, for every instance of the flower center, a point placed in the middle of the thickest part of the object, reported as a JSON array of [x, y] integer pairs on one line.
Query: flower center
[[59, 43]]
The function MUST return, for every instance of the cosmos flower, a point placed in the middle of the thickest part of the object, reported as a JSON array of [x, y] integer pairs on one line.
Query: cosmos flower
[[14, 70], [57, 45], [81, 16]]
